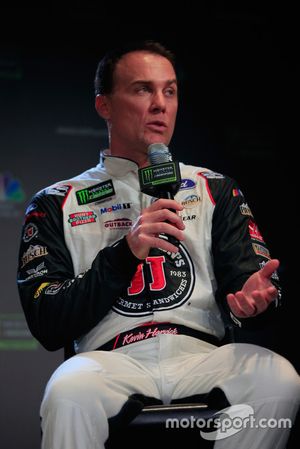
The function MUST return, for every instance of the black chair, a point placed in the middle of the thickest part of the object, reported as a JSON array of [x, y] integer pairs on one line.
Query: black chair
[[174, 424]]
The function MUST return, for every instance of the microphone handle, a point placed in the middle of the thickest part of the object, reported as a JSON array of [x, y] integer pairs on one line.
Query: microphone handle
[[169, 196]]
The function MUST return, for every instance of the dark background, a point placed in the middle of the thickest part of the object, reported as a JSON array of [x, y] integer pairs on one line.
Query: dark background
[[238, 67]]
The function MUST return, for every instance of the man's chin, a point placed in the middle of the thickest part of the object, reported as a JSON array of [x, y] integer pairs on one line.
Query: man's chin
[[157, 139]]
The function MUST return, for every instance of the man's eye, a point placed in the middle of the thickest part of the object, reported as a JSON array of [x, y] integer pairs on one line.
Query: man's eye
[[170, 92], [143, 89]]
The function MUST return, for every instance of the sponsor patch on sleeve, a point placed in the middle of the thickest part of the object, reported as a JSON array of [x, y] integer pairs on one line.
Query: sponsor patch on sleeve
[[59, 190], [261, 250], [245, 210], [254, 231], [237, 192], [211, 175], [40, 289]]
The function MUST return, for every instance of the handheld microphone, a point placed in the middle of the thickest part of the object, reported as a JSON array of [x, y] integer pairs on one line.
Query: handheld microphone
[[162, 178]]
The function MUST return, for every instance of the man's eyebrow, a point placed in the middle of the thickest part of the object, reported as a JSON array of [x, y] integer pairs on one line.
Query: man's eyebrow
[[168, 82]]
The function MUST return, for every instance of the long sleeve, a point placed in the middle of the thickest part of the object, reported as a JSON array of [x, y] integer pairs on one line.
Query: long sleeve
[[60, 307], [238, 247]]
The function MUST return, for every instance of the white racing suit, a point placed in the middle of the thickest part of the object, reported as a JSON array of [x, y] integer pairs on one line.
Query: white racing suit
[[146, 329]]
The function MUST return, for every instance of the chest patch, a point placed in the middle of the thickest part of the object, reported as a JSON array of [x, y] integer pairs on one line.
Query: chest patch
[[163, 281]]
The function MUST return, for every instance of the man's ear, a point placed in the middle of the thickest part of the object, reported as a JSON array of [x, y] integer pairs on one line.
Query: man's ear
[[102, 106]]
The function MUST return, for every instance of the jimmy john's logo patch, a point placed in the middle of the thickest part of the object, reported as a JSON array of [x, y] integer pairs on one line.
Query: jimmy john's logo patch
[[163, 281], [97, 192]]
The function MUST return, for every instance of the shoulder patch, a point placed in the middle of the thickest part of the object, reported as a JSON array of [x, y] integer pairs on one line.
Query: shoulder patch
[[59, 190], [211, 174]]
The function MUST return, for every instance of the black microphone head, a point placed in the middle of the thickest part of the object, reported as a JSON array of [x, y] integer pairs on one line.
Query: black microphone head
[[159, 153], [162, 176]]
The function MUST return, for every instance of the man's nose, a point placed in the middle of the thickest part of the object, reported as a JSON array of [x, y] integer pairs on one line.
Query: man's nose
[[158, 102]]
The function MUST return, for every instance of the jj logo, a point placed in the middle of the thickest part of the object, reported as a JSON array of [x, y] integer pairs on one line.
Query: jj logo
[[156, 265]]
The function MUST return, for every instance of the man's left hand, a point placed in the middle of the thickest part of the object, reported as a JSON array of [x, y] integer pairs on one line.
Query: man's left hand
[[257, 293]]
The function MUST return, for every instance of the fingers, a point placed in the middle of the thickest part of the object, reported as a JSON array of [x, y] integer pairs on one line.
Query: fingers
[[243, 307], [153, 230], [165, 204], [140, 239], [158, 241], [161, 216], [155, 221], [264, 297], [269, 268], [257, 292], [239, 306]]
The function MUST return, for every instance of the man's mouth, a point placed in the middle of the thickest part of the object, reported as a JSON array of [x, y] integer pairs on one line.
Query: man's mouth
[[157, 125]]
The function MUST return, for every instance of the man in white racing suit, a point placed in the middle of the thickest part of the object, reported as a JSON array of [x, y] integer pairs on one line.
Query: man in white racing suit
[[147, 315]]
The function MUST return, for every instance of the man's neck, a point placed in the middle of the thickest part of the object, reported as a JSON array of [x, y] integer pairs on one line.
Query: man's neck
[[141, 159]]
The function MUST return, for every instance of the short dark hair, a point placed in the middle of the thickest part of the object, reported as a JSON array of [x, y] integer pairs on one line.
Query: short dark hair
[[103, 82]]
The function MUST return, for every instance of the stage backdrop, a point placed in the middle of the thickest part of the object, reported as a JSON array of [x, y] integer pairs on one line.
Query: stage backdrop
[[49, 131]]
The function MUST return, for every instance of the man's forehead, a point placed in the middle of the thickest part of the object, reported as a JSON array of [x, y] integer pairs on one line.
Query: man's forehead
[[143, 64]]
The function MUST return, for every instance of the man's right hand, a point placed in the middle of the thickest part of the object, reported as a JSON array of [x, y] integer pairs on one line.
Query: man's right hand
[[155, 220]]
